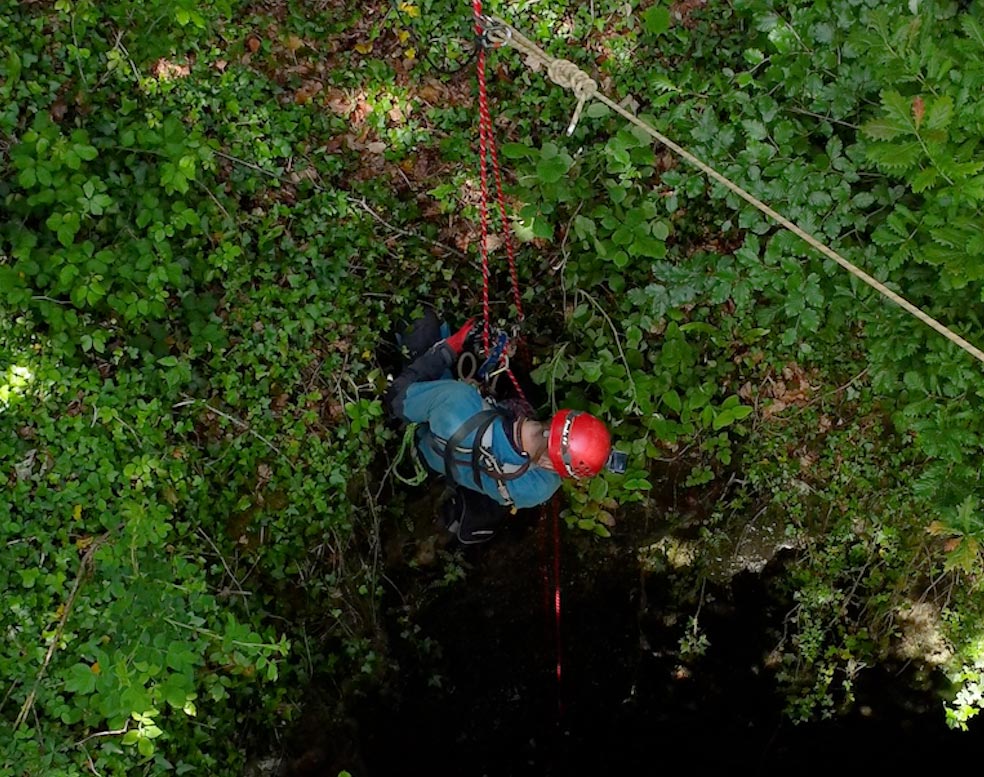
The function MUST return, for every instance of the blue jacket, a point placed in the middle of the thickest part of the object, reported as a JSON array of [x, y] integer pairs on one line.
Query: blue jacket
[[441, 406]]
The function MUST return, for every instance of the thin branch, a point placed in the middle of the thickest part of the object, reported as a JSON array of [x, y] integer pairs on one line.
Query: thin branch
[[250, 165], [402, 232], [820, 116], [214, 199], [126, 727], [241, 424], [239, 585], [84, 567], [618, 344]]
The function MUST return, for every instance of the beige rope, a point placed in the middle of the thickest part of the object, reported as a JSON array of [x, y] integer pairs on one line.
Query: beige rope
[[566, 74]]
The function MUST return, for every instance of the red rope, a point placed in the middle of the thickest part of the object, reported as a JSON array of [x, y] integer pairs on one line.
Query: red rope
[[487, 152], [484, 138], [555, 509]]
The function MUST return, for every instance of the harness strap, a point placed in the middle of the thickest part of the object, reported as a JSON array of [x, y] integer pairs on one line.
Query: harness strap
[[485, 417], [448, 448]]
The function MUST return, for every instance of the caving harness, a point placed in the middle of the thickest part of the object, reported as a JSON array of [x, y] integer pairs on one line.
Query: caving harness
[[478, 458]]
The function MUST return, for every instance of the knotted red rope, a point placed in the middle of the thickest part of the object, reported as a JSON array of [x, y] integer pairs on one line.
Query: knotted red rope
[[488, 155]]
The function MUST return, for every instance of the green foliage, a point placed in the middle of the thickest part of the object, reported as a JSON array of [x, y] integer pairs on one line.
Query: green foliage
[[205, 230], [682, 292], [179, 447]]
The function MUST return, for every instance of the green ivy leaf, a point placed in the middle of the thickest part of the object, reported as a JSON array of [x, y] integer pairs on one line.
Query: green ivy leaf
[[881, 129], [584, 227], [86, 152], [516, 151], [552, 169], [656, 20], [591, 371], [81, 679], [924, 179], [27, 178], [672, 400], [598, 489], [973, 29], [145, 747], [939, 114]]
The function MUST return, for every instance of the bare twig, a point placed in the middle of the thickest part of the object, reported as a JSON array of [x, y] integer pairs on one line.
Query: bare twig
[[113, 733], [824, 118], [241, 424], [361, 203], [618, 343], [225, 565], [250, 165], [84, 567], [214, 199]]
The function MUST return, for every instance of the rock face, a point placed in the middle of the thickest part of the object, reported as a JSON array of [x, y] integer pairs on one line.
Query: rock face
[[750, 547]]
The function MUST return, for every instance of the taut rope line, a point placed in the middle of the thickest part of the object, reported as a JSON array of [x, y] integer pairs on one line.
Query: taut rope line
[[568, 75]]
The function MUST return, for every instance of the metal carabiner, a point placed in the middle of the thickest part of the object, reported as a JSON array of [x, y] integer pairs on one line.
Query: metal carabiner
[[467, 366], [494, 356], [494, 35], [504, 361]]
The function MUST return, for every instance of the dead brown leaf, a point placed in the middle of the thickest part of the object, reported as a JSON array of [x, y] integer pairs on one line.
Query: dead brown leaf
[[395, 115], [339, 103], [58, 110], [263, 474], [307, 91], [493, 243], [165, 70], [431, 93]]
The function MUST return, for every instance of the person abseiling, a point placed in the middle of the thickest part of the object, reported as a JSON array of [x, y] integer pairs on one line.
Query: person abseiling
[[498, 457]]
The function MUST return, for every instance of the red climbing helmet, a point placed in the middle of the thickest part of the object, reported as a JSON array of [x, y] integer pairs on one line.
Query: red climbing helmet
[[579, 444]]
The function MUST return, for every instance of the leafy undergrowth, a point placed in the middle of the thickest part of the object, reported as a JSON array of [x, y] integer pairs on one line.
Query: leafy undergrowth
[[216, 212]]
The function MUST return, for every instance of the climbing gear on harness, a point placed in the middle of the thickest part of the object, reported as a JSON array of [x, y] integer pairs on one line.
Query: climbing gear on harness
[[579, 444], [496, 356], [489, 34], [485, 374], [407, 445], [497, 361]]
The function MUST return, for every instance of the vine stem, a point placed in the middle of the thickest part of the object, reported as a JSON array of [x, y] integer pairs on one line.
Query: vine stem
[[618, 344], [84, 567]]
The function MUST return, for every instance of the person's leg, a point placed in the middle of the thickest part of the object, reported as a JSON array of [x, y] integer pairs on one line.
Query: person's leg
[[423, 333], [471, 516]]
